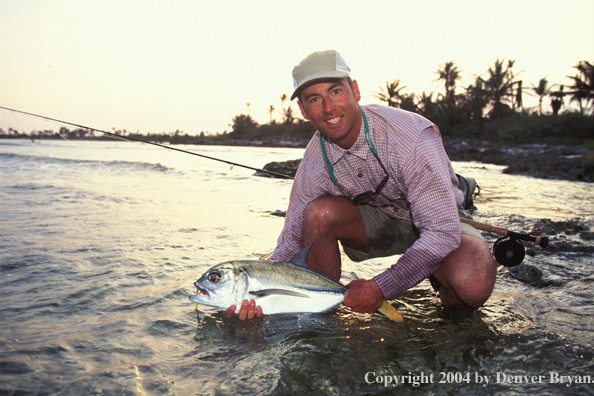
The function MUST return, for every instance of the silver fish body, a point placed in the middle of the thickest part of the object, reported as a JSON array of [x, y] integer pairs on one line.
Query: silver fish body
[[278, 287]]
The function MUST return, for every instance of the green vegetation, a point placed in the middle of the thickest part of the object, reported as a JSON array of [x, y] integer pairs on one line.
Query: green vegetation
[[489, 110], [569, 129]]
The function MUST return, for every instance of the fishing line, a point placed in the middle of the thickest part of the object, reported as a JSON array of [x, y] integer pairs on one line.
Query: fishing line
[[128, 138], [122, 138], [134, 190], [18, 122]]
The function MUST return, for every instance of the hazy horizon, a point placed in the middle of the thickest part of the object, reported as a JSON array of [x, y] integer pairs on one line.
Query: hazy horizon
[[192, 66]]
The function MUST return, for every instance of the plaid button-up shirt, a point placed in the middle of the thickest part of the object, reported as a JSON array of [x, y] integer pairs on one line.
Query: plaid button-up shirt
[[422, 187]]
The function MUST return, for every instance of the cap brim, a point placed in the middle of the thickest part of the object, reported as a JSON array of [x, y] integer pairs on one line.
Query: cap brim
[[328, 75]]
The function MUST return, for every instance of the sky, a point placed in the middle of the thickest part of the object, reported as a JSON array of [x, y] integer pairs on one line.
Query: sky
[[153, 66]]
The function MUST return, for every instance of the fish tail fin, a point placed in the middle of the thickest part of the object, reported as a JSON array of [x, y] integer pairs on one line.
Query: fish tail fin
[[388, 310]]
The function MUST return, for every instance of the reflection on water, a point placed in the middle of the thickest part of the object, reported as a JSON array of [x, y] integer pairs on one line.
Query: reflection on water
[[97, 261], [530, 197]]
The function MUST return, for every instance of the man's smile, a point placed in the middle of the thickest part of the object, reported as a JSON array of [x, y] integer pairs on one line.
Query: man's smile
[[334, 120]]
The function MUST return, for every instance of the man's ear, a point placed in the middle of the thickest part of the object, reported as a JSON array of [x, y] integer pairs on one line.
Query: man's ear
[[303, 112], [356, 90]]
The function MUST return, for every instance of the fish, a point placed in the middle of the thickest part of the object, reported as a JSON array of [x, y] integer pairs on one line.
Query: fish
[[277, 287]]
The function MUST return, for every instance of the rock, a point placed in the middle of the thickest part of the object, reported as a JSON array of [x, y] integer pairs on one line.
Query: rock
[[587, 235], [278, 213], [526, 273], [568, 227], [288, 168], [536, 160]]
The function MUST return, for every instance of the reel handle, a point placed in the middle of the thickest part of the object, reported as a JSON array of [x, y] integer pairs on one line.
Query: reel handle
[[541, 241]]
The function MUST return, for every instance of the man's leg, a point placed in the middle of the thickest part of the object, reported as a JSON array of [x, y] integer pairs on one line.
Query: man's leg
[[327, 220], [467, 276]]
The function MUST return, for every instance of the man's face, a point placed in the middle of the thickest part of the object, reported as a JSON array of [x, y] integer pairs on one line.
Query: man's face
[[333, 109]]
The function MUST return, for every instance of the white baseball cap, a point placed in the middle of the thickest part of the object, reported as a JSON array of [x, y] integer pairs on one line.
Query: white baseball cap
[[320, 65]]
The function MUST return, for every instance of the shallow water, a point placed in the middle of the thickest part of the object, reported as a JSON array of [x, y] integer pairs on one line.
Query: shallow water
[[100, 243]]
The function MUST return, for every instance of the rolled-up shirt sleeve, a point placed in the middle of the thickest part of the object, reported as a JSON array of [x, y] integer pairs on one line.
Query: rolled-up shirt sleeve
[[289, 240], [426, 175]]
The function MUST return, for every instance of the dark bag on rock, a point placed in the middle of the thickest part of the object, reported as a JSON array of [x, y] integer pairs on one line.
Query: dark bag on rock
[[468, 187]]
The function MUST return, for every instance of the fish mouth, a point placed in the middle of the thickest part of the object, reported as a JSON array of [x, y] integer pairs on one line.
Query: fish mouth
[[201, 290]]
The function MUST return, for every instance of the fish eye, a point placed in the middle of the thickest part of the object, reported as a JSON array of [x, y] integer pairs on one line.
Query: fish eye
[[214, 277]]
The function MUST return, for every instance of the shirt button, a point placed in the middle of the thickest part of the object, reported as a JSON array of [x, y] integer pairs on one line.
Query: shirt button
[[360, 175], [348, 153]]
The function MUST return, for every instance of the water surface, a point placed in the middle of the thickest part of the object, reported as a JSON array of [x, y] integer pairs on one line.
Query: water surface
[[100, 243]]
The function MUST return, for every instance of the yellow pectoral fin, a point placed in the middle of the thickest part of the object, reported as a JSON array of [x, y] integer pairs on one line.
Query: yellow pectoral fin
[[388, 310]]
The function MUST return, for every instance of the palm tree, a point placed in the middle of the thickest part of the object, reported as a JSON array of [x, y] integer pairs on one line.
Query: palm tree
[[271, 111], [518, 97], [408, 102], [426, 106], [283, 99], [449, 74], [583, 84], [541, 91], [499, 87], [557, 100], [242, 124], [288, 115], [391, 95], [477, 98]]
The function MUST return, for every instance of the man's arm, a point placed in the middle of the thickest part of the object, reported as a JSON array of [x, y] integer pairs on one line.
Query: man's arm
[[429, 191]]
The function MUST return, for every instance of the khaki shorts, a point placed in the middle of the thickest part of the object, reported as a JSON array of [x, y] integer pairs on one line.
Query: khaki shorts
[[387, 236]]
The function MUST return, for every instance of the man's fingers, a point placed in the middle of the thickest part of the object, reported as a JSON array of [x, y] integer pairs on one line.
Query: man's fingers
[[354, 282], [248, 310], [252, 310], [230, 311], [243, 311]]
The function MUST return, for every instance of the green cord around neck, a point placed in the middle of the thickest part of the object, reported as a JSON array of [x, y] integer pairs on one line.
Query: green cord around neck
[[369, 143]]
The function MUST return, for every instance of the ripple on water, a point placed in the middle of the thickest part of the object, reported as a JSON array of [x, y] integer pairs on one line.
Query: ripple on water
[[94, 287]]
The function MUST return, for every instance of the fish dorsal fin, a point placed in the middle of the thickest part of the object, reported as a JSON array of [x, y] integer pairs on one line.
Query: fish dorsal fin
[[300, 258], [277, 292]]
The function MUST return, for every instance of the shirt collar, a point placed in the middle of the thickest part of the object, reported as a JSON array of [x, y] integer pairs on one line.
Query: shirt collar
[[360, 148]]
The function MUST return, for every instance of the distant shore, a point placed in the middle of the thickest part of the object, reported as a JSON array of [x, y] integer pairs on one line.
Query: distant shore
[[536, 160]]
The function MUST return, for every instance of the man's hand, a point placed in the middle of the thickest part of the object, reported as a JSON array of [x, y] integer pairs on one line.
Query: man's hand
[[363, 296], [248, 310]]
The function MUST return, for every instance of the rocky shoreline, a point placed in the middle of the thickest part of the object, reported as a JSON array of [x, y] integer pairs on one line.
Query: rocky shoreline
[[536, 160]]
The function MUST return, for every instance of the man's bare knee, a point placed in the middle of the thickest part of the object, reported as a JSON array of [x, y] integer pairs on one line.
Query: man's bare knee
[[321, 211], [469, 272], [328, 213]]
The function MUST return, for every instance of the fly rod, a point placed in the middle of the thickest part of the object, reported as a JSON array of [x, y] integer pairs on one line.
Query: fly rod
[[542, 241], [147, 142]]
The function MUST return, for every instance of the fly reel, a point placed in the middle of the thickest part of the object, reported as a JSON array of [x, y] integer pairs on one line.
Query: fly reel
[[509, 251]]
